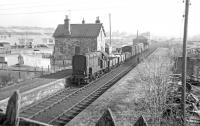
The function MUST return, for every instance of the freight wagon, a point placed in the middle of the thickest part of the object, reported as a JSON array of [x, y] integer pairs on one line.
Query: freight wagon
[[88, 67]]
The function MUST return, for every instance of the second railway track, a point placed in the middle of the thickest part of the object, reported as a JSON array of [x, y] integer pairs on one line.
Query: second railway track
[[60, 109]]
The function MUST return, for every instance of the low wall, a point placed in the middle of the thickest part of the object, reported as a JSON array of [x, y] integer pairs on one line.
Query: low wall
[[12, 59], [36, 61], [38, 93], [29, 60]]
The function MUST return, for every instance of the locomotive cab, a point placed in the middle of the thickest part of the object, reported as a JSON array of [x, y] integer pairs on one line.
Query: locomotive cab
[[88, 67], [79, 71]]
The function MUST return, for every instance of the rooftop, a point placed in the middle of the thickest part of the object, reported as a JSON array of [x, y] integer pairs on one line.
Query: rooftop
[[79, 30]]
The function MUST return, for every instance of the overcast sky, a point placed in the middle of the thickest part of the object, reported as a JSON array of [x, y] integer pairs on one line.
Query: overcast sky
[[160, 17]]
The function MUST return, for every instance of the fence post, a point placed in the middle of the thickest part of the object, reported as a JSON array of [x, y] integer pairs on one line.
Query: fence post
[[63, 64], [19, 73], [35, 71], [42, 70]]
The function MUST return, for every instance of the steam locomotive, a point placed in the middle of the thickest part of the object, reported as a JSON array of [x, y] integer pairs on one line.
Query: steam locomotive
[[92, 65]]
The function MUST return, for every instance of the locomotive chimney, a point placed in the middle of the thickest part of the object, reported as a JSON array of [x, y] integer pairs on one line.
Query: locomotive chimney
[[67, 24]]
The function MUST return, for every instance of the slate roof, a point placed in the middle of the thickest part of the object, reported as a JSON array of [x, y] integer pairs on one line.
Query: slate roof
[[79, 30]]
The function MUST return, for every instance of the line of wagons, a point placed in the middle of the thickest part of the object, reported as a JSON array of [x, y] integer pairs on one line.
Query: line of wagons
[[92, 65]]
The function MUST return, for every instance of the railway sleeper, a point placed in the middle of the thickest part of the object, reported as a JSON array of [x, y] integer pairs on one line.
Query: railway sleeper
[[71, 112], [81, 107], [76, 109], [91, 100], [69, 117], [96, 96], [64, 117], [58, 122], [98, 92], [86, 100], [76, 113]]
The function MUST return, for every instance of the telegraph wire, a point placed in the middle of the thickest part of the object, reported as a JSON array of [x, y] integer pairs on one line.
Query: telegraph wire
[[55, 11], [19, 4]]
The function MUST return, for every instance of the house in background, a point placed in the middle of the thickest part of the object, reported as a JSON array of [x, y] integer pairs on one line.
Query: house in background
[[142, 39], [71, 39]]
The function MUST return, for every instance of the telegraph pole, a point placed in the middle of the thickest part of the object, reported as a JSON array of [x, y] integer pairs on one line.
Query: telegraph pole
[[110, 26], [184, 65]]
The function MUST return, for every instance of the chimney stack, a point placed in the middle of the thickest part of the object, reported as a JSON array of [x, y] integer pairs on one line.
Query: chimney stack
[[97, 20], [83, 21], [67, 24]]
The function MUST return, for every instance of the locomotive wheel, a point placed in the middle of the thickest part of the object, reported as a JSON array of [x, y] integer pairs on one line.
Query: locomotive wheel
[[79, 82]]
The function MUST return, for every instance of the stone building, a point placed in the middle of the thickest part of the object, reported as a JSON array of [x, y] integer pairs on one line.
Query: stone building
[[141, 39], [71, 39]]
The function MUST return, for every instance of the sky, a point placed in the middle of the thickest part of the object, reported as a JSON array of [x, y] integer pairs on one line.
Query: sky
[[159, 17]]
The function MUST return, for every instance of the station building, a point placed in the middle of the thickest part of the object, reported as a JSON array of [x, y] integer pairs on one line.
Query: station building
[[71, 39]]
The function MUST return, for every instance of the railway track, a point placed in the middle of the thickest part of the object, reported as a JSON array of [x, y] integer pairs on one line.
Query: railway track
[[40, 106], [60, 109], [86, 100]]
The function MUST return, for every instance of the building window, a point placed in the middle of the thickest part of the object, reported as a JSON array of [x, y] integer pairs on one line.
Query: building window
[[61, 50]]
